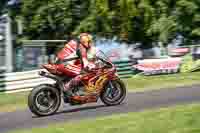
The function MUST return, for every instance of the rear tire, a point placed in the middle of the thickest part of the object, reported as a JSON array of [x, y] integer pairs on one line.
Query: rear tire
[[117, 84], [37, 97]]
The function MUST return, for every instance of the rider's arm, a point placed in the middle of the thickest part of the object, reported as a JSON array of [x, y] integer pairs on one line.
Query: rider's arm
[[91, 53], [84, 57]]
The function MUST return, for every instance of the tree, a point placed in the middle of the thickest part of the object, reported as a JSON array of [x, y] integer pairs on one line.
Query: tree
[[143, 21], [46, 19], [2, 5], [188, 19]]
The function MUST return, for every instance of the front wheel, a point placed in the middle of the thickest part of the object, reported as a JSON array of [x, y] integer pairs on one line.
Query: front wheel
[[44, 100], [114, 92]]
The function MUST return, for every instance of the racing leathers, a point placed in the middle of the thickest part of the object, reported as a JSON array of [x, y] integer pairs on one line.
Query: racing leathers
[[74, 67]]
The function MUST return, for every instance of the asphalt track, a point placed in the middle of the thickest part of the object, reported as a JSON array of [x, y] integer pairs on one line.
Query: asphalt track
[[134, 102]]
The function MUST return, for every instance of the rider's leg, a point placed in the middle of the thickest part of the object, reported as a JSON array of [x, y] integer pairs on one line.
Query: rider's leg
[[76, 71], [73, 82]]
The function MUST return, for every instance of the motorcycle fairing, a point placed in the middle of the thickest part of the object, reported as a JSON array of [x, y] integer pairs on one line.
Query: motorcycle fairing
[[95, 82]]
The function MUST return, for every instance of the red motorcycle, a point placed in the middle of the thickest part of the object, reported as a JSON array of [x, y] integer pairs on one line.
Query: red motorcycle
[[101, 82]]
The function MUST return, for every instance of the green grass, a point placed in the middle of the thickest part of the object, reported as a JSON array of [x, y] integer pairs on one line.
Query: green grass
[[11, 102], [180, 119], [142, 83]]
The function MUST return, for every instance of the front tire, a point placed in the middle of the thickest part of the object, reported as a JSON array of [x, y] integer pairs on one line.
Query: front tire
[[44, 100], [115, 99]]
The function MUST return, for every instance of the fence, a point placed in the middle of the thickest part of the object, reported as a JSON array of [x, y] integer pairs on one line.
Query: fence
[[124, 68], [21, 80]]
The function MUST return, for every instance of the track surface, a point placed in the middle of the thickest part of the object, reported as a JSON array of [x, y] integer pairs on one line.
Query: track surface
[[133, 103]]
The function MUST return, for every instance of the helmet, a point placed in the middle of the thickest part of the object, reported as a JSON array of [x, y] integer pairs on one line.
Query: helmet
[[86, 39]]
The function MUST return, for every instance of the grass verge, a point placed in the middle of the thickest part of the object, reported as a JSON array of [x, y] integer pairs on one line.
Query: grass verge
[[143, 83], [180, 119], [12, 102]]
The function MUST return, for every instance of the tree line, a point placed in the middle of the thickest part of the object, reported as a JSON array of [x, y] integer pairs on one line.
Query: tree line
[[143, 21]]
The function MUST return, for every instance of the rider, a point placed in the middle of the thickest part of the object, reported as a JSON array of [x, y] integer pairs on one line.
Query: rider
[[83, 47]]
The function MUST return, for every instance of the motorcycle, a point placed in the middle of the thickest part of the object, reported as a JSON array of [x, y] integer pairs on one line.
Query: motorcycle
[[102, 82]]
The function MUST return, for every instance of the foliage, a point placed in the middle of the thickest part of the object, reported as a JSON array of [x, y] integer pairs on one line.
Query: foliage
[[189, 65], [46, 19], [143, 21], [2, 5]]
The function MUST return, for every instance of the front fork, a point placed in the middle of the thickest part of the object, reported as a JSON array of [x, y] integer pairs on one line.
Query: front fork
[[112, 78], [111, 88]]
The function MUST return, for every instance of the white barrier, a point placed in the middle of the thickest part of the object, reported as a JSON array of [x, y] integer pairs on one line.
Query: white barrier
[[22, 80]]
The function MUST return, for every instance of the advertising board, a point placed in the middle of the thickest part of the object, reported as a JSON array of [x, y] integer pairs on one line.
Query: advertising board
[[158, 66]]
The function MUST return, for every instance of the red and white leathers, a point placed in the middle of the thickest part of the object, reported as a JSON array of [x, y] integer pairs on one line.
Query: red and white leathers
[[74, 67]]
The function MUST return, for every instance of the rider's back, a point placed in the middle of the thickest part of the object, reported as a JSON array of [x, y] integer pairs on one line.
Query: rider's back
[[69, 51]]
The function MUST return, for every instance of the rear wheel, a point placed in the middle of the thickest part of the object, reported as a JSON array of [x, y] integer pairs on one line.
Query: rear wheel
[[44, 100], [114, 93]]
